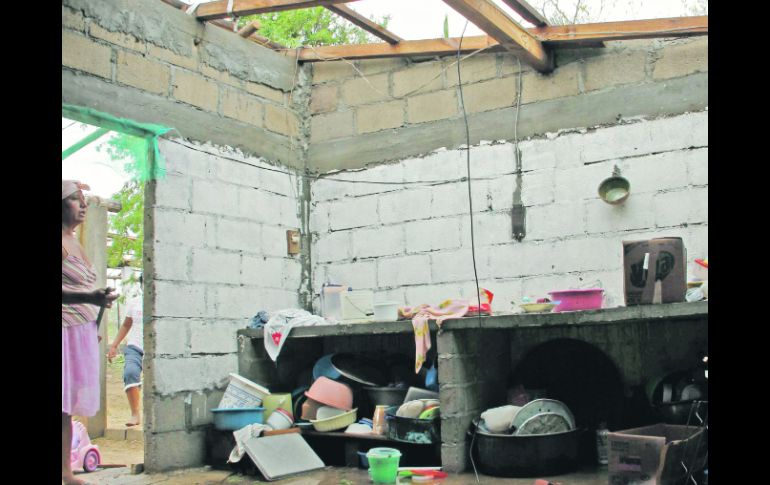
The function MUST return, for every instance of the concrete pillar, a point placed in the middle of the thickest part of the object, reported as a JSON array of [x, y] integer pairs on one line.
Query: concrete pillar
[[93, 237]]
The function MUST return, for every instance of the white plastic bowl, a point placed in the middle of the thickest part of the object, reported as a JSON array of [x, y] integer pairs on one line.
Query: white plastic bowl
[[386, 311]]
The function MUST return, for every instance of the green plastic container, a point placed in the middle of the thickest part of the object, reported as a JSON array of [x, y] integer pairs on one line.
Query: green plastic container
[[383, 464]]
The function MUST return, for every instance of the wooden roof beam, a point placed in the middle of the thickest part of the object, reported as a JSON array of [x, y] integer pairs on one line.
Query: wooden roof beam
[[241, 8], [499, 25], [561, 36], [527, 12], [366, 24]]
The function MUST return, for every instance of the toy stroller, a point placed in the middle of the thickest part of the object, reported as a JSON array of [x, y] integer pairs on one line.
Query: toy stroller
[[84, 454]]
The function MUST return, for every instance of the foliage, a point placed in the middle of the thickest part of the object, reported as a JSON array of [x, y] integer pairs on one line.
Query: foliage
[[446, 26], [128, 224], [310, 26]]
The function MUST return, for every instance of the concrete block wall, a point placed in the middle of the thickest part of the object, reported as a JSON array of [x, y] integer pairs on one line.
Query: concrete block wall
[[373, 111], [160, 65], [411, 242], [218, 256]]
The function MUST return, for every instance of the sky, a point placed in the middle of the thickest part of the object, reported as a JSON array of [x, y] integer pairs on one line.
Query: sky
[[409, 19]]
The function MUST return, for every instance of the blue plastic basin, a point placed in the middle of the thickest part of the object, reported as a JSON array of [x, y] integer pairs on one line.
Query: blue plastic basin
[[237, 418]]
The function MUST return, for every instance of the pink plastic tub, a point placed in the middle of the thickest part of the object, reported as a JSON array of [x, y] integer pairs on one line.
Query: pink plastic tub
[[572, 300]]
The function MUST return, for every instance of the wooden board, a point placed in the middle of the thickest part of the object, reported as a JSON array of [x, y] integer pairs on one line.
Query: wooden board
[[241, 8], [366, 24], [527, 11]]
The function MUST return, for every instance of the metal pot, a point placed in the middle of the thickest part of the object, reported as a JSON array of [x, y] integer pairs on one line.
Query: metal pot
[[388, 396], [501, 455]]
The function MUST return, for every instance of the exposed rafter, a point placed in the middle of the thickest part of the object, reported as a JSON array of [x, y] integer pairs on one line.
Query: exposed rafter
[[556, 36], [499, 25], [365, 23], [527, 12], [240, 8]]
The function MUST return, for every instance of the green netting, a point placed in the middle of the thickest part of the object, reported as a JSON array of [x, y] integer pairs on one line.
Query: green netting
[[151, 167]]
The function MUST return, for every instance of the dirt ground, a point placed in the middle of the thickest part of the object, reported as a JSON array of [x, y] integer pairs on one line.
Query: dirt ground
[[118, 410]]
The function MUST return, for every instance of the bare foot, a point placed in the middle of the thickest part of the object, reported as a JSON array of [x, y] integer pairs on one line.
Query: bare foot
[[134, 421]]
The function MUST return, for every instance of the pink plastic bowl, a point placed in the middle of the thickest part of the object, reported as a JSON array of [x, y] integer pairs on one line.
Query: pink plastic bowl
[[332, 393], [572, 300]]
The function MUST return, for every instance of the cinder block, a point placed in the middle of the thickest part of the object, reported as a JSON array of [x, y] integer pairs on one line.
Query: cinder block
[[274, 241], [456, 369], [698, 166], [215, 198], [677, 132], [292, 274], [491, 160], [262, 271], [331, 70], [214, 337], [359, 275], [174, 227], [365, 90], [432, 235], [682, 59], [556, 220], [221, 76], [378, 117], [201, 405], [579, 183], [635, 213], [264, 91], [177, 449], [353, 212], [653, 173], [488, 229], [239, 235], [170, 262], [520, 259], [477, 68], [281, 121], [182, 160], [596, 253], [438, 166], [118, 38], [179, 300], [173, 375], [490, 95], [189, 62], [560, 83], [72, 19], [403, 270], [114, 434], [430, 293], [449, 199], [319, 218], [334, 125], [501, 192], [540, 285], [537, 187], [241, 107], [213, 266], [541, 154], [418, 78], [280, 183], [194, 89], [166, 414], [173, 191], [510, 65], [83, 54], [376, 66], [454, 458], [408, 205], [432, 107], [324, 99], [137, 71], [681, 207], [171, 336], [615, 69], [259, 205], [380, 241]]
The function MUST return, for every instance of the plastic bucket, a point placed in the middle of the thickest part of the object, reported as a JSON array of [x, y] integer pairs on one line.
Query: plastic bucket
[[572, 300], [383, 464], [242, 393], [386, 311], [234, 419]]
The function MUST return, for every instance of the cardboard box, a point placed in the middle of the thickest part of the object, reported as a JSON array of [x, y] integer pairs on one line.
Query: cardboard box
[[654, 271], [654, 454]]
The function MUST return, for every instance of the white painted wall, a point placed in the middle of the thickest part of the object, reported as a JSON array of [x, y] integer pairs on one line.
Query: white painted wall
[[412, 243], [219, 256]]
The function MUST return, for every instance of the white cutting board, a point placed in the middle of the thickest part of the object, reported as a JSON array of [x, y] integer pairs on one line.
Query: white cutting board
[[281, 455]]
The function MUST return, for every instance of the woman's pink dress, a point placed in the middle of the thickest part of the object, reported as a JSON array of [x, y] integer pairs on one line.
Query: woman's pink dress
[[79, 343]]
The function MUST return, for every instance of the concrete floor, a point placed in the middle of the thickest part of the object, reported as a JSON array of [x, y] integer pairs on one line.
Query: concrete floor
[[328, 476]]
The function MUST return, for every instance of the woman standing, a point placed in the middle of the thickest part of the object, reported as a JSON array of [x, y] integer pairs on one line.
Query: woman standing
[[79, 341]]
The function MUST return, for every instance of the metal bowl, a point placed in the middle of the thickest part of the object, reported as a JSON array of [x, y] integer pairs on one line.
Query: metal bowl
[[390, 396]]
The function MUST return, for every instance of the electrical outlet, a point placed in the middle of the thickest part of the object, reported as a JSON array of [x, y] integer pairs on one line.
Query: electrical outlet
[[292, 241]]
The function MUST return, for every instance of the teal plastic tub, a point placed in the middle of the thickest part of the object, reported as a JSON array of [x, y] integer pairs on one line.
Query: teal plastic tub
[[236, 418]]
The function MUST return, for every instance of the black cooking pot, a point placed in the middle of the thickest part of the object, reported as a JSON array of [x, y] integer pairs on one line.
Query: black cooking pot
[[501, 455], [409, 430]]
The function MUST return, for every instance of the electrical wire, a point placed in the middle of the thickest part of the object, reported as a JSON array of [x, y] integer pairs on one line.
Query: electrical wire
[[468, 166]]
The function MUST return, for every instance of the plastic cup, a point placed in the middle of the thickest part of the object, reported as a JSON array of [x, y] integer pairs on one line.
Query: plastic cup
[[383, 464]]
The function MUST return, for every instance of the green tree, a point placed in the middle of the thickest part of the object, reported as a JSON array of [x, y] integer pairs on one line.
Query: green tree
[[310, 26], [128, 224]]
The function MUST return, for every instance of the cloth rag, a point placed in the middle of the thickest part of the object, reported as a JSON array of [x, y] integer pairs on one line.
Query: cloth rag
[[421, 315], [279, 326], [243, 435]]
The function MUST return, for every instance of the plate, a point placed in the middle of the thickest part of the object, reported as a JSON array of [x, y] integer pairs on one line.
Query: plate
[[538, 406], [544, 423]]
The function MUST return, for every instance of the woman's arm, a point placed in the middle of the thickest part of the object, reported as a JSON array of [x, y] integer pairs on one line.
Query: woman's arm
[[124, 329], [99, 297]]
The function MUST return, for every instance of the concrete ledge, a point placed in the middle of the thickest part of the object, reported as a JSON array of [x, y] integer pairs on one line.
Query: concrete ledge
[[600, 107]]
